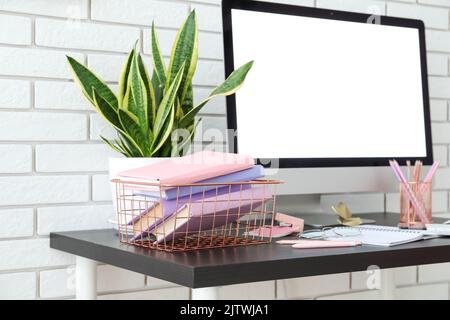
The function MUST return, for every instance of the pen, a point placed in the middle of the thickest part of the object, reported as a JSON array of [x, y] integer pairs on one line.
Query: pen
[[431, 172], [408, 163], [311, 244], [308, 244]]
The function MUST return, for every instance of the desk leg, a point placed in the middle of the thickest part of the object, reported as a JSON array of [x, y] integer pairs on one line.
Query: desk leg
[[387, 290], [86, 281], [210, 293]]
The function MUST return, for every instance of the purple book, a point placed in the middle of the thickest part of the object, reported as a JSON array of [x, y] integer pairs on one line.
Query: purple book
[[252, 173], [215, 209], [165, 208]]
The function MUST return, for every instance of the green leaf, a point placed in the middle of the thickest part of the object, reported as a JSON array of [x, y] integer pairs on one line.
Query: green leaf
[[165, 151], [115, 147], [178, 111], [158, 61], [184, 52], [167, 105], [166, 132], [151, 101], [88, 80], [126, 143], [179, 147], [131, 125], [137, 99], [232, 84], [188, 100], [158, 88], [106, 110], [123, 82]]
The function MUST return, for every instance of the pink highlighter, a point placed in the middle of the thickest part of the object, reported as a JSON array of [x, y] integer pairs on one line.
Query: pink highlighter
[[314, 244]]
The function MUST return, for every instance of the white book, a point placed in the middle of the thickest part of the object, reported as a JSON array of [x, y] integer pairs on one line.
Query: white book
[[379, 235]]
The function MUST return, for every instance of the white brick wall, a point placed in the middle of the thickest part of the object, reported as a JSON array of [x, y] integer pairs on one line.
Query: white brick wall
[[210, 44], [19, 30], [72, 157], [41, 126], [53, 167], [436, 18], [28, 190], [101, 188], [16, 223], [34, 253], [438, 109], [248, 291], [33, 62], [59, 95], [15, 158], [100, 127], [354, 5], [310, 287], [82, 35], [61, 8], [15, 94], [18, 286], [142, 12], [53, 219], [107, 66], [60, 282], [161, 294]]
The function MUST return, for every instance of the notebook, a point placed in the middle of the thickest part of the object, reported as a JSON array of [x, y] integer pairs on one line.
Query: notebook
[[173, 193], [380, 235], [188, 169], [160, 210]]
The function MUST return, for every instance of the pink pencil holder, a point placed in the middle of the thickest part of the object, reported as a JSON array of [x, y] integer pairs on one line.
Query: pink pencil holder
[[409, 217]]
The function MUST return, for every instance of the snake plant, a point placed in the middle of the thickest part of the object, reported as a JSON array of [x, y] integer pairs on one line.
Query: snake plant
[[147, 111]]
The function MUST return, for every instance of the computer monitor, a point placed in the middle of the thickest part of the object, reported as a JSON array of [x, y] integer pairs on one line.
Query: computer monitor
[[331, 97]]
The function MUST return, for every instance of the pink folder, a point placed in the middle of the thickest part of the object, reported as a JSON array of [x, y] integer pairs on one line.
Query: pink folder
[[192, 168]]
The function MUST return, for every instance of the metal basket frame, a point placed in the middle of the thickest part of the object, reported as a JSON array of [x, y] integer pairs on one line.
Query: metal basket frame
[[137, 212]]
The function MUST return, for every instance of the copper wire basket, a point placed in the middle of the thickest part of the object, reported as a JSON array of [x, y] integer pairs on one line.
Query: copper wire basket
[[195, 216]]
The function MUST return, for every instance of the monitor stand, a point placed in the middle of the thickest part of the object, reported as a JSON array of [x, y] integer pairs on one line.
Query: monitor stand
[[315, 212], [294, 204]]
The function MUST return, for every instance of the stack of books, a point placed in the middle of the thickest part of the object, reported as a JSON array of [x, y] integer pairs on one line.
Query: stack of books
[[182, 201]]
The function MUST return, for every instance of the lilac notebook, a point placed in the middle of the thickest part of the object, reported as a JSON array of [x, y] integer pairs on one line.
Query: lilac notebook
[[253, 173], [214, 210], [169, 207]]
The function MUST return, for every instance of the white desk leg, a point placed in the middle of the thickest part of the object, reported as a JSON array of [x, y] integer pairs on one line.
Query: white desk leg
[[210, 293], [86, 279], [387, 283]]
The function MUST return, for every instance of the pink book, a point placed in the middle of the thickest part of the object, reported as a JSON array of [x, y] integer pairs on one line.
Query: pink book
[[189, 169]]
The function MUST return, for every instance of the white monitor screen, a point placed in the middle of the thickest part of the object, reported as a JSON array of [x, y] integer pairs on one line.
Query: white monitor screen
[[323, 88]]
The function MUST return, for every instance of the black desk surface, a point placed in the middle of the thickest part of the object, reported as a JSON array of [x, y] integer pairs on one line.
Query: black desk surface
[[215, 267]]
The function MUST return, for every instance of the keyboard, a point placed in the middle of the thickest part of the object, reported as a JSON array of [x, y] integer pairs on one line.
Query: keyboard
[[438, 229]]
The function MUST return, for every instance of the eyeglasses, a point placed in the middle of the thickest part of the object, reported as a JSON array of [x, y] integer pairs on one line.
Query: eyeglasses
[[329, 232]]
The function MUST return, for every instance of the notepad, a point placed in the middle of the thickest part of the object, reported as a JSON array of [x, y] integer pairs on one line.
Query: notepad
[[380, 235]]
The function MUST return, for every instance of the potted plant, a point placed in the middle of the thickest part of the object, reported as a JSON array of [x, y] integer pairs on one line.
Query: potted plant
[[148, 112]]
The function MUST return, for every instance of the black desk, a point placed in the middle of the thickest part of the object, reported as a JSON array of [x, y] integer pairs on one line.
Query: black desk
[[208, 268]]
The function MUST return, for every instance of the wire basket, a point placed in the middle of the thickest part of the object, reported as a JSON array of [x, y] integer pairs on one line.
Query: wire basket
[[195, 216]]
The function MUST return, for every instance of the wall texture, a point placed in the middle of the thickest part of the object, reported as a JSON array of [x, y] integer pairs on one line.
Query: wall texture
[[53, 168]]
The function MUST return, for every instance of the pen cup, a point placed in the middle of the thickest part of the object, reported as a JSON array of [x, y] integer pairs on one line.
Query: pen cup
[[409, 215]]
